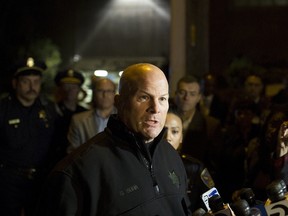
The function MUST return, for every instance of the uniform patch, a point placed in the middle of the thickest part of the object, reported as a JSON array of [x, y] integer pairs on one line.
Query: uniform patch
[[207, 179]]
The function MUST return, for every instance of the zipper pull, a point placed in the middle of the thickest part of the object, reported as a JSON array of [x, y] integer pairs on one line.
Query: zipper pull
[[155, 184], [156, 188]]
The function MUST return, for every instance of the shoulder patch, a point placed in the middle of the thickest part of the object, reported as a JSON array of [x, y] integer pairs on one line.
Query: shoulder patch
[[206, 178]]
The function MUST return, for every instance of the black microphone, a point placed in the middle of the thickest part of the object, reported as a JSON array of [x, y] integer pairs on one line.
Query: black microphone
[[255, 205], [277, 202], [241, 208], [218, 207]]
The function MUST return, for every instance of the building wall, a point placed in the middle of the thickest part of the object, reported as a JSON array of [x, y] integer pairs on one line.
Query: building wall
[[258, 33]]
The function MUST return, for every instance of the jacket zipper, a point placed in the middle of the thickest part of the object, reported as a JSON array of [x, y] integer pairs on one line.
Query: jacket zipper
[[151, 170]]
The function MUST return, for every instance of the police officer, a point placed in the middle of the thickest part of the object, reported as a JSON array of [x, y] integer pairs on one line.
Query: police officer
[[26, 133], [69, 84]]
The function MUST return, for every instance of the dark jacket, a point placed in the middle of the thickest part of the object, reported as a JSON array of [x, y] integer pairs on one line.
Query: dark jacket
[[195, 138], [26, 135], [115, 174], [199, 181]]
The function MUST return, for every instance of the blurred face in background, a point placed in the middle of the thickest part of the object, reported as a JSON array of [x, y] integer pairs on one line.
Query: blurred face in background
[[70, 91], [187, 96], [253, 86], [27, 88], [103, 94], [174, 130]]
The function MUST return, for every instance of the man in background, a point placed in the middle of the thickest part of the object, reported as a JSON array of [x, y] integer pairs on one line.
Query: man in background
[[198, 130], [87, 124], [26, 133], [69, 84]]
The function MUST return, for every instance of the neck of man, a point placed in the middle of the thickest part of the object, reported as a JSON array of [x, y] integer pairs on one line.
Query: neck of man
[[186, 115], [71, 105], [25, 103], [104, 112]]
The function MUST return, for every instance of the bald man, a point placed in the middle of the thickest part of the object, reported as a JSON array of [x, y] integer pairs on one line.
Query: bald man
[[129, 169]]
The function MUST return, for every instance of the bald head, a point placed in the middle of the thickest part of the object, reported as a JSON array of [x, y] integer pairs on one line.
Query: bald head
[[96, 81], [136, 73], [142, 102]]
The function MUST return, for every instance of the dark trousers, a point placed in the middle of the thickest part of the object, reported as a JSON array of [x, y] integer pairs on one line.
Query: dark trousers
[[17, 194]]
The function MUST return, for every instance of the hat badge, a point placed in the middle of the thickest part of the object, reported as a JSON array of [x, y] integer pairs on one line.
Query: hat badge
[[30, 62], [70, 73]]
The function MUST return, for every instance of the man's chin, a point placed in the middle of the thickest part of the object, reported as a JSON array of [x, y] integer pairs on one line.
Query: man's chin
[[150, 136], [31, 98]]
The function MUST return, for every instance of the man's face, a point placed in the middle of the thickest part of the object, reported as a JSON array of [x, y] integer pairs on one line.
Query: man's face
[[103, 95], [187, 96], [70, 91], [253, 86], [145, 111], [27, 88]]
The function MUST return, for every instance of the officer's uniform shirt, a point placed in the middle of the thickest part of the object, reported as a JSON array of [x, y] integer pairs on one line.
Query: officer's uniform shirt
[[68, 76], [26, 133]]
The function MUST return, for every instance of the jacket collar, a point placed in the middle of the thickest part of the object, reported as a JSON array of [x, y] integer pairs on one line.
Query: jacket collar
[[119, 129]]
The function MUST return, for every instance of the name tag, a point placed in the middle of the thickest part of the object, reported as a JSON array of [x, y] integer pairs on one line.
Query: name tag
[[13, 121]]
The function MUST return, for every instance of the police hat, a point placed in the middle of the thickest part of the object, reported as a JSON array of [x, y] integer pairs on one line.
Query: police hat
[[30, 67], [69, 76]]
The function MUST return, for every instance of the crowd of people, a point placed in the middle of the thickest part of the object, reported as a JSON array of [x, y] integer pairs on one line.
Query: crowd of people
[[138, 150]]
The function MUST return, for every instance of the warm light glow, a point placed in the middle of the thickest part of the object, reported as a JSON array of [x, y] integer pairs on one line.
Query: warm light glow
[[101, 73]]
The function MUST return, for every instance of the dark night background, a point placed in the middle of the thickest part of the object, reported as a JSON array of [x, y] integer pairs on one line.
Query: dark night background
[[101, 29], [92, 29]]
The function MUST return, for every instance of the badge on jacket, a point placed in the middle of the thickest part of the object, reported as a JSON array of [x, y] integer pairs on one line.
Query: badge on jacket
[[174, 178]]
